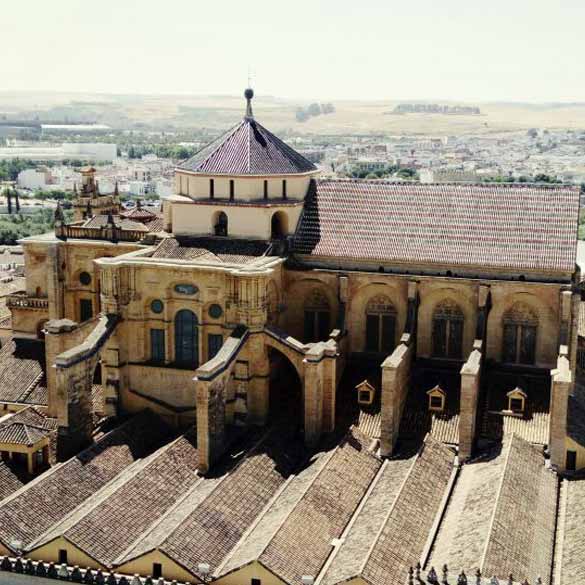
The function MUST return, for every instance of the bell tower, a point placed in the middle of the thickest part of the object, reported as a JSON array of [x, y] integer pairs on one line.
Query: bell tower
[[88, 201]]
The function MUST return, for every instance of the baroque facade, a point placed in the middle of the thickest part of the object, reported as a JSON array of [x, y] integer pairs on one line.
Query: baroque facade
[[396, 329]]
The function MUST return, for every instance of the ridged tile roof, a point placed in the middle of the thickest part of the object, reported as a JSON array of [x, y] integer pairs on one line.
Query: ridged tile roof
[[48, 500], [248, 149], [494, 226]]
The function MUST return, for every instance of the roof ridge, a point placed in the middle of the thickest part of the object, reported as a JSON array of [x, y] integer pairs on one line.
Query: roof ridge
[[88, 505], [352, 521], [497, 499], [390, 510]]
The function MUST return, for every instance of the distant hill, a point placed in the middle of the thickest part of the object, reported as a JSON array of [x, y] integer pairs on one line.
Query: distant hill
[[281, 115]]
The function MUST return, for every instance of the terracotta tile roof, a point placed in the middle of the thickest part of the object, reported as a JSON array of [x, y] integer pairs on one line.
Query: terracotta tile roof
[[9, 481], [501, 515], [248, 149], [443, 426], [523, 526], [21, 434], [251, 547], [491, 226], [533, 428], [303, 542], [401, 541], [370, 423], [571, 544], [353, 552], [21, 370], [211, 250], [139, 214], [136, 504], [99, 221], [214, 527], [47, 500]]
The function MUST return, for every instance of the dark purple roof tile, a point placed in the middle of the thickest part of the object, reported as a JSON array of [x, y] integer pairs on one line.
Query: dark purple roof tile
[[248, 149], [492, 226]]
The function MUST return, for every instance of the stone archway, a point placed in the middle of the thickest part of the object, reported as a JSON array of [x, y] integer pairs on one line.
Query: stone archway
[[247, 355]]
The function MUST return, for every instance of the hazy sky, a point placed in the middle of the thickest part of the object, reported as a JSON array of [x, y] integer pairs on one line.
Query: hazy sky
[[521, 50]]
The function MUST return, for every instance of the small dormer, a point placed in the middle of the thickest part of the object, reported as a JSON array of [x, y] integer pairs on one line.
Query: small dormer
[[517, 401], [437, 397], [248, 177], [365, 393]]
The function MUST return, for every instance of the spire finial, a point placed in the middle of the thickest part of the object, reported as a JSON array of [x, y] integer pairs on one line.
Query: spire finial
[[249, 94]]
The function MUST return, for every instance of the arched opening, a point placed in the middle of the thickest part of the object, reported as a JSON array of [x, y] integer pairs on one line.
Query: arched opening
[[520, 328], [380, 325], [286, 407], [41, 329], [278, 226], [447, 331], [186, 339], [317, 317], [220, 224]]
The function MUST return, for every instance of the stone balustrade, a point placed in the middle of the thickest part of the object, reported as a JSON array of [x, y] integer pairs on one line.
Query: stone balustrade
[[107, 232], [444, 576], [22, 301], [18, 570]]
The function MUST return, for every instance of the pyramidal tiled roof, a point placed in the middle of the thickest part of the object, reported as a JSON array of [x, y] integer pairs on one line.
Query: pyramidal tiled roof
[[248, 149], [499, 226]]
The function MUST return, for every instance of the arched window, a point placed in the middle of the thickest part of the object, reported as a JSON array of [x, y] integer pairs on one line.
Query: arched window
[[186, 339], [448, 330], [317, 317], [278, 226], [520, 325], [380, 325], [221, 224]]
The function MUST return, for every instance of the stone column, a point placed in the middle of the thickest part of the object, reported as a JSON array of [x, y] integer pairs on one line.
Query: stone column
[[470, 381], [395, 378], [559, 400]]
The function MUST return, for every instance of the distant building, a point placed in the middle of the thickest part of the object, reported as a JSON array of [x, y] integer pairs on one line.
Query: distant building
[[447, 176], [69, 150]]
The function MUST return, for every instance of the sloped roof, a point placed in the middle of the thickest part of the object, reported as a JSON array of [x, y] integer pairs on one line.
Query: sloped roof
[[22, 370], [248, 149], [493, 226], [140, 499], [501, 515], [10, 481], [47, 500], [211, 250]]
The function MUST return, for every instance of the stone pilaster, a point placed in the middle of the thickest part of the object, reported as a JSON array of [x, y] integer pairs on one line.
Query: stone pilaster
[[559, 401], [313, 391], [470, 382], [210, 421], [258, 399], [395, 378], [60, 336]]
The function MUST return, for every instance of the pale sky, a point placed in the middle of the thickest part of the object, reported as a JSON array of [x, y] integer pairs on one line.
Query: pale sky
[[468, 50]]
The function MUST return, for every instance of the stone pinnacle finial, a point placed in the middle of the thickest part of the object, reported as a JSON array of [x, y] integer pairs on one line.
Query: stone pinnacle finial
[[249, 94], [58, 213]]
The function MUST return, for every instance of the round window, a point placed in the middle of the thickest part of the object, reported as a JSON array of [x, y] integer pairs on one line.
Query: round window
[[157, 306], [85, 278], [215, 311]]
